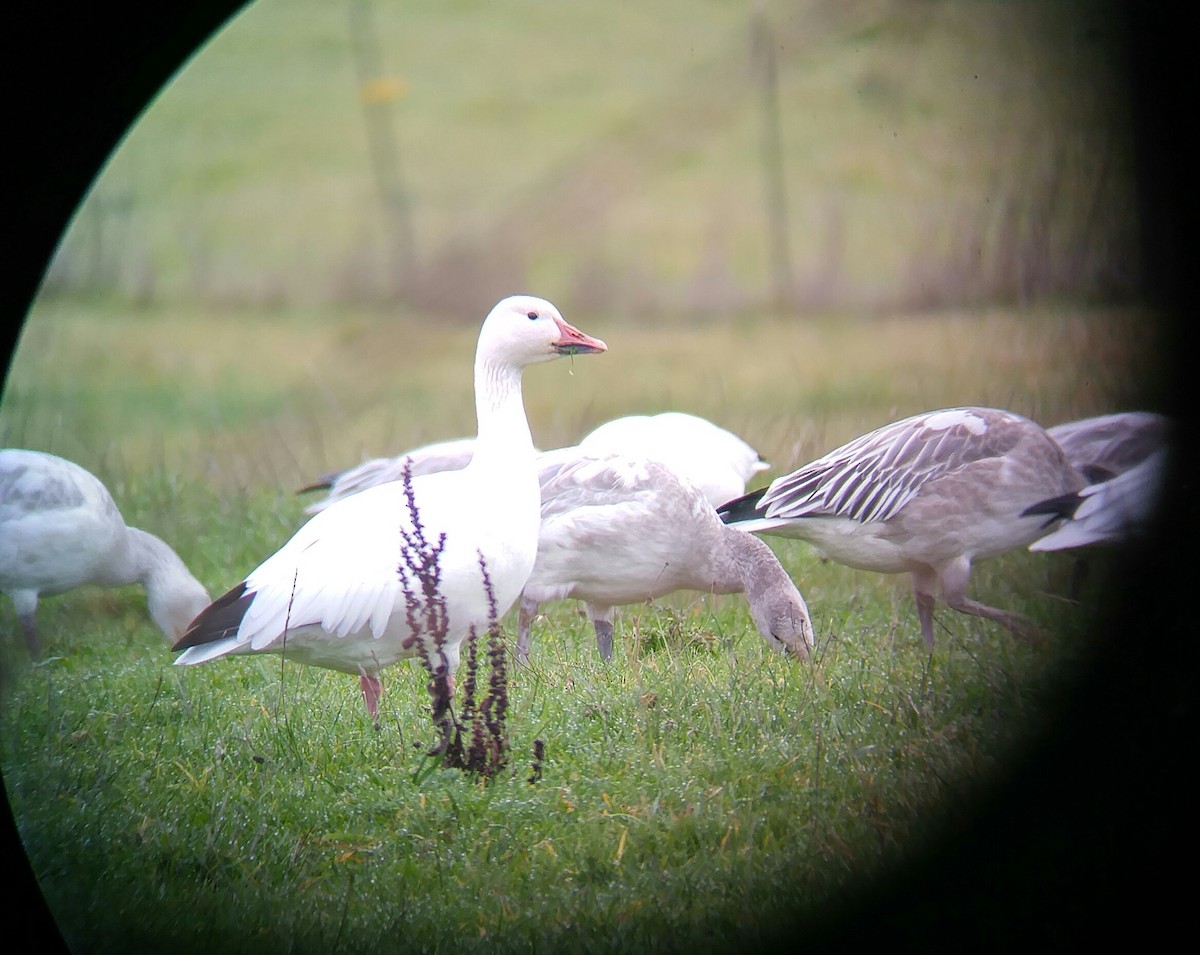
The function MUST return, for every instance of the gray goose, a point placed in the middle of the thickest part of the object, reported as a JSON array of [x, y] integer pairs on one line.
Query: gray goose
[[928, 496], [60, 529]]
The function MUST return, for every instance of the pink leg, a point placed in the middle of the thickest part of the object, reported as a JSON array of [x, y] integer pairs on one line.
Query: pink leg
[[525, 617], [954, 585], [924, 582], [29, 629], [26, 603], [372, 690], [602, 623]]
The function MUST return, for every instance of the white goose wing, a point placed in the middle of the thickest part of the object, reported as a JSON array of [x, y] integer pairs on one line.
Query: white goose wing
[[571, 479], [341, 570], [1112, 510], [453, 455], [1107, 445], [872, 477]]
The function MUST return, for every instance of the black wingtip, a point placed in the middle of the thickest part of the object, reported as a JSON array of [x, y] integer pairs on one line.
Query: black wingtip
[[742, 508], [323, 483], [1056, 508], [218, 620]]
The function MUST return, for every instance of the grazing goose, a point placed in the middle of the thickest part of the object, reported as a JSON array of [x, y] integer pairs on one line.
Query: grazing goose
[[618, 530], [335, 595], [1109, 512], [1108, 445], [715, 460], [60, 529], [927, 495], [452, 455]]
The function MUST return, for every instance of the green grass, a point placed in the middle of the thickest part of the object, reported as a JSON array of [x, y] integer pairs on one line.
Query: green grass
[[697, 793], [694, 793]]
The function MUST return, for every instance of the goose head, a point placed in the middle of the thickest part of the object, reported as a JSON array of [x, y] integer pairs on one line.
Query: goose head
[[523, 330], [781, 616]]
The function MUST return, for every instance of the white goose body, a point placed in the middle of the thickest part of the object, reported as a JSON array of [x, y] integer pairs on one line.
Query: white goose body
[[618, 530], [927, 496], [1122, 457], [334, 595], [717, 461], [60, 529], [336, 586]]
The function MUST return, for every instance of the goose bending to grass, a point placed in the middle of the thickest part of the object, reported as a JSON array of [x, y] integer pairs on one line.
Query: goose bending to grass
[[1107, 445], [60, 529], [452, 455], [717, 461], [928, 496], [618, 530], [337, 594], [1109, 512]]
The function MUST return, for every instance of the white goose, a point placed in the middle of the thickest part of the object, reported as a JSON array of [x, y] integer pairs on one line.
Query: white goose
[[618, 530], [1107, 445], [715, 460], [1105, 449], [1109, 512], [61, 529], [335, 595], [926, 496], [452, 455]]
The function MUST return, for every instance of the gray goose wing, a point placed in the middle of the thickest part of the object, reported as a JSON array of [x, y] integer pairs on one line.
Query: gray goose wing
[[872, 477]]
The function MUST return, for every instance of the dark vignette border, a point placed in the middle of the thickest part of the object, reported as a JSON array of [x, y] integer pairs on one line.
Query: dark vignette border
[[1093, 831]]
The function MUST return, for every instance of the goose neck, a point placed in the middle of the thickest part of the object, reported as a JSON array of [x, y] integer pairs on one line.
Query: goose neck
[[500, 410], [755, 564]]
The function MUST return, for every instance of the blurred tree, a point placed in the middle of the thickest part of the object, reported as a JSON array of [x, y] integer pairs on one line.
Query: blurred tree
[[378, 91], [762, 54]]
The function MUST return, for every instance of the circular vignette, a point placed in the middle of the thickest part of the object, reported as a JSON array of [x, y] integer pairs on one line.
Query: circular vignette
[[1073, 839]]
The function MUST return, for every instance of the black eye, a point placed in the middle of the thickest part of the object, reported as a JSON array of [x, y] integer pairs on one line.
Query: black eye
[[531, 316]]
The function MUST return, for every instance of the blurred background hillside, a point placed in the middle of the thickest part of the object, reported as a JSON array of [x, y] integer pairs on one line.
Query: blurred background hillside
[[680, 158]]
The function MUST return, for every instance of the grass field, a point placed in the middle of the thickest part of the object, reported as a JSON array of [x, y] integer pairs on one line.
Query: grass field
[[696, 793], [252, 399]]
